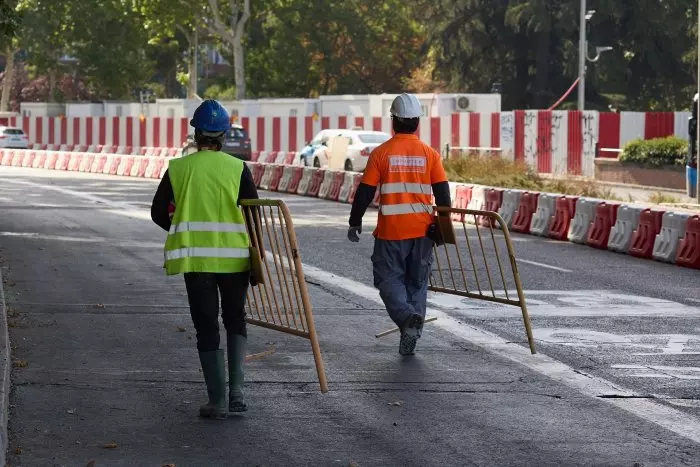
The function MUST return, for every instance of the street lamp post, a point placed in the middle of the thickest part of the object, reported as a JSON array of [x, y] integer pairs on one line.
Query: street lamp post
[[586, 15], [582, 58]]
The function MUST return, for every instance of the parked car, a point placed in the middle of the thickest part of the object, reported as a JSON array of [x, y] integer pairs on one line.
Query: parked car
[[359, 143], [306, 155], [236, 143], [13, 138]]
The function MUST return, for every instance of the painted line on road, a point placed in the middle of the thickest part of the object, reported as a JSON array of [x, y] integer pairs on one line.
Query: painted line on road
[[632, 402], [543, 265]]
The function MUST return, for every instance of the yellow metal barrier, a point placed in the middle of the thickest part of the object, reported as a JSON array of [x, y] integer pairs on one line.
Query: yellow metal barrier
[[463, 266], [281, 301]]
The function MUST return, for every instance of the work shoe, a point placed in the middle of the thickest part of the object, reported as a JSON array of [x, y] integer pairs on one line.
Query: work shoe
[[410, 333], [215, 377], [235, 345]]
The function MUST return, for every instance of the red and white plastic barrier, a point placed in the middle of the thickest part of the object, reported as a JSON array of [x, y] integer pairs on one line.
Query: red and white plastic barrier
[[672, 237]]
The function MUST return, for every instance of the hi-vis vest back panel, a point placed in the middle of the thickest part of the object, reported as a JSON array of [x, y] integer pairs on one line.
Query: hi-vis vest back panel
[[405, 169], [208, 232]]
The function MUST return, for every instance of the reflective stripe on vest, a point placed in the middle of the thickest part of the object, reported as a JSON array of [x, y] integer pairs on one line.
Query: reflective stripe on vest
[[419, 188], [207, 227], [203, 252], [415, 208]]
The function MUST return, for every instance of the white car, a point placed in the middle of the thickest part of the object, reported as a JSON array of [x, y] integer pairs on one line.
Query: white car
[[13, 138], [351, 148]]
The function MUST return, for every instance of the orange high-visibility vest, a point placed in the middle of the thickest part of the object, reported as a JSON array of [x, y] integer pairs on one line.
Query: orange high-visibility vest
[[405, 169]]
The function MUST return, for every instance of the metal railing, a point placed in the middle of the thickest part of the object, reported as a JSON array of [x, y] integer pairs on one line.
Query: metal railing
[[281, 300], [474, 266]]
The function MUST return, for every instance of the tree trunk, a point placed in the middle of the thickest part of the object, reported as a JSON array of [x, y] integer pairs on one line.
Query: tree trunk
[[239, 67], [9, 76], [193, 67], [52, 85]]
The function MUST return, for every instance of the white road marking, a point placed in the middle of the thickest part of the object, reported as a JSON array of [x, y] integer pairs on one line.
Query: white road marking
[[566, 303], [664, 372], [64, 238], [672, 419], [543, 265], [650, 344]]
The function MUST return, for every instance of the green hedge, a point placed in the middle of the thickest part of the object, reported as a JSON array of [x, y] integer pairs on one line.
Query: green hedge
[[656, 152]]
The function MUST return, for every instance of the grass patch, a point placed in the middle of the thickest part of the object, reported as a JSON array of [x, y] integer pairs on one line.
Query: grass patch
[[660, 198], [497, 172]]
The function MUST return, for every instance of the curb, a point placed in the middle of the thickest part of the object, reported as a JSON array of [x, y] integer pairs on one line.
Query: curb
[[5, 369]]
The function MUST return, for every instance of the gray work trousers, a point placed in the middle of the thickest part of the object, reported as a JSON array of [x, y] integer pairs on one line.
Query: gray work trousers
[[401, 271]]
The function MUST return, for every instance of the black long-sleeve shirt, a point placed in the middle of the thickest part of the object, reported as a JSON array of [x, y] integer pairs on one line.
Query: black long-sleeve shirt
[[365, 195], [164, 195]]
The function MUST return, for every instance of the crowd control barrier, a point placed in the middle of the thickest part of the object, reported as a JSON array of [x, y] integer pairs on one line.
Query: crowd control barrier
[[471, 267], [281, 301]]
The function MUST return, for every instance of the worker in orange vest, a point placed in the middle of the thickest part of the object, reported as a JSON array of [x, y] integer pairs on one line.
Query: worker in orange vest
[[408, 172]]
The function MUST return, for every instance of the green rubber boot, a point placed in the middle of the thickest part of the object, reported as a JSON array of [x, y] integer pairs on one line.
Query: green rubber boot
[[235, 345], [215, 377]]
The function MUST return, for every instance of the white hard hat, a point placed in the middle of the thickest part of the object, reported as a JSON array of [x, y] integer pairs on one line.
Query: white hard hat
[[406, 106]]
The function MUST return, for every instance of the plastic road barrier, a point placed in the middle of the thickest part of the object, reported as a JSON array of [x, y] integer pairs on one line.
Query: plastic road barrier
[[511, 201], [583, 219], [689, 248], [523, 216], [625, 226], [669, 238], [544, 216]]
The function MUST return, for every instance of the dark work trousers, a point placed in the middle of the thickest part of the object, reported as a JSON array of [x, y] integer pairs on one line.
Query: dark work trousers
[[401, 272], [203, 291]]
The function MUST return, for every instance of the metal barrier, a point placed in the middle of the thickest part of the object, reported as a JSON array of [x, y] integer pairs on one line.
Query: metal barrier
[[281, 301], [457, 271]]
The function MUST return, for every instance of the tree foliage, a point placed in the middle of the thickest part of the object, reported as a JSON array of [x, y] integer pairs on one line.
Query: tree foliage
[[302, 48]]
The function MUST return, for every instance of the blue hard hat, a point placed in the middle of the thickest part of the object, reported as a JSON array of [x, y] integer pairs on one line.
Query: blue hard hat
[[211, 117]]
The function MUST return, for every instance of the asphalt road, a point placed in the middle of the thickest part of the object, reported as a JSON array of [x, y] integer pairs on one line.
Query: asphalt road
[[102, 359]]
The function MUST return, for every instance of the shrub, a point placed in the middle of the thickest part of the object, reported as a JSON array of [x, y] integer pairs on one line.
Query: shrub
[[497, 172], [656, 152]]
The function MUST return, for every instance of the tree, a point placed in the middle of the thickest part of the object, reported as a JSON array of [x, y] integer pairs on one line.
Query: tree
[[45, 28], [307, 48], [172, 23], [10, 20], [110, 42], [230, 28]]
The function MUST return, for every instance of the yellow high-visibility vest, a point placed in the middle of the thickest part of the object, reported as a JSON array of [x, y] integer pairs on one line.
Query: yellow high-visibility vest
[[208, 231]]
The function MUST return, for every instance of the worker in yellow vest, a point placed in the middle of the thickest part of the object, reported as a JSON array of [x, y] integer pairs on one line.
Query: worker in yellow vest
[[208, 243]]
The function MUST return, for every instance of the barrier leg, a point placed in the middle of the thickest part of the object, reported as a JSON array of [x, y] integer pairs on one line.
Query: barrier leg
[[521, 294]]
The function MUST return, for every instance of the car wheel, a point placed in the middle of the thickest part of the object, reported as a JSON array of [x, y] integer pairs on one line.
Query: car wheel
[[317, 163], [348, 165]]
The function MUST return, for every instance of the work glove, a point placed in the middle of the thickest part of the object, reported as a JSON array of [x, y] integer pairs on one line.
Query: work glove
[[353, 234]]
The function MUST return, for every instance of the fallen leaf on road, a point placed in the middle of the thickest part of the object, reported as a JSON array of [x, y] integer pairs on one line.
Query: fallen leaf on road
[[110, 446], [18, 451], [181, 329], [90, 464], [396, 404], [100, 305], [168, 465], [20, 363]]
